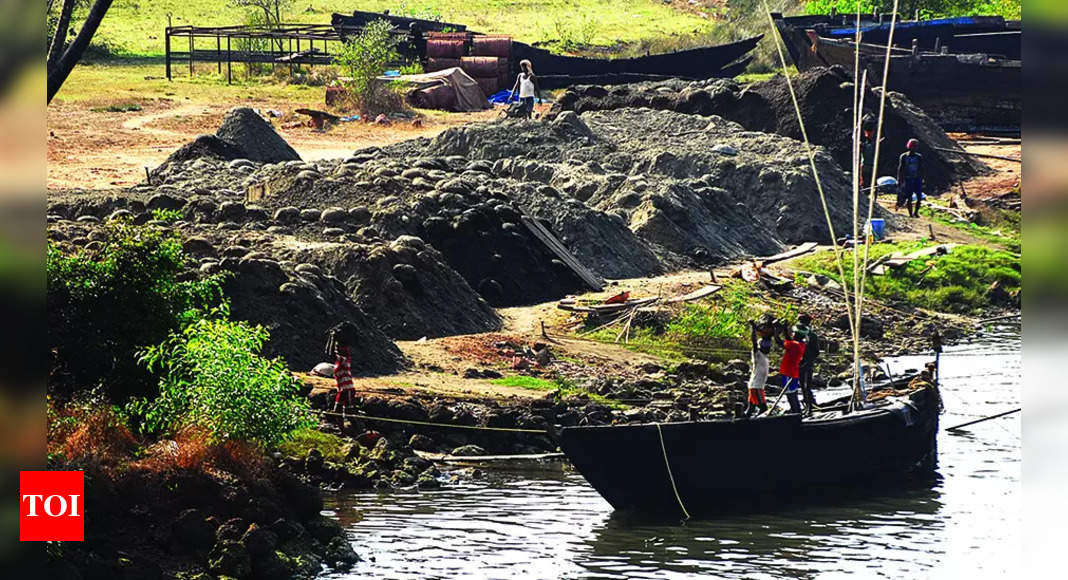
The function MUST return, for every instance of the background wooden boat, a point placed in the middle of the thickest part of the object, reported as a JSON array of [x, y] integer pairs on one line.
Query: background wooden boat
[[971, 91], [722, 466], [560, 71]]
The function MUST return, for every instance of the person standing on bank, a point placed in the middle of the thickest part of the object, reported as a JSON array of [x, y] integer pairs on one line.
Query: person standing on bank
[[527, 85], [910, 178], [808, 361]]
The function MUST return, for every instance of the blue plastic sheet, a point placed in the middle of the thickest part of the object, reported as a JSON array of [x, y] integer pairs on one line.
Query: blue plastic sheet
[[501, 98]]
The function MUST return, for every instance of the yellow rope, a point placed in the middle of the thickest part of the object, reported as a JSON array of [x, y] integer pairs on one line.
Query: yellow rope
[[671, 477], [428, 423], [812, 163]]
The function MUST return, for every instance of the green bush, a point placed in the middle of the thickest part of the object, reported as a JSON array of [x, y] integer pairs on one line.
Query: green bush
[[364, 58], [105, 305], [215, 378]]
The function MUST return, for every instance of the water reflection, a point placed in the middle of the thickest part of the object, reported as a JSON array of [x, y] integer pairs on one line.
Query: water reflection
[[964, 522]]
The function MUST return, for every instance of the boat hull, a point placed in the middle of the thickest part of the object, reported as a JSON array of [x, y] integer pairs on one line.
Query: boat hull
[[732, 465]]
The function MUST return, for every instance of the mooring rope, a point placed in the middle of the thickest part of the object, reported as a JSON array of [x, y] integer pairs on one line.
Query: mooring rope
[[671, 478], [429, 423]]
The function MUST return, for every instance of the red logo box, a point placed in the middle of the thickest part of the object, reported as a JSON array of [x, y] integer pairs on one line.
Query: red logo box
[[51, 506]]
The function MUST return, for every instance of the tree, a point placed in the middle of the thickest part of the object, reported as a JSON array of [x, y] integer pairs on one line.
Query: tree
[[62, 56]]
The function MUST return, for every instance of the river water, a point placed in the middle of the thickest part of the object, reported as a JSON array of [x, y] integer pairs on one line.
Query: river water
[[549, 525]]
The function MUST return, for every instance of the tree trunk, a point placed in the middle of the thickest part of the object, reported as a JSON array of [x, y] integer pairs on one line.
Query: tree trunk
[[58, 73], [59, 38]]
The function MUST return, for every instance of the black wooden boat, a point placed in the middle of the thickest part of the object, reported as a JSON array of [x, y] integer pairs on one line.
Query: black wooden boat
[[991, 35], [696, 63], [557, 71], [721, 466], [969, 90]]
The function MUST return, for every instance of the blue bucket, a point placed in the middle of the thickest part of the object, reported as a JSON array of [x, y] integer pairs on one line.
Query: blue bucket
[[877, 227]]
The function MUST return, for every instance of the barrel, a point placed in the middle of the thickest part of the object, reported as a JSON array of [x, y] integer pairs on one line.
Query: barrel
[[500, 46], [442, 48], [436, 64], [489, 85], [480, 66]]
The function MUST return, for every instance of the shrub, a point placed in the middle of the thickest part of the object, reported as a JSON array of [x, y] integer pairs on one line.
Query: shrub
[[365, 57], [215, 379], [105, 305]]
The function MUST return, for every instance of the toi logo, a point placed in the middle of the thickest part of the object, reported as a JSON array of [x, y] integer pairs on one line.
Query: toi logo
[[51, 506]]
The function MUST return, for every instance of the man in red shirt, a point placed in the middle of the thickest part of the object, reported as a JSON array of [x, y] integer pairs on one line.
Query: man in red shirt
[[790, 368]]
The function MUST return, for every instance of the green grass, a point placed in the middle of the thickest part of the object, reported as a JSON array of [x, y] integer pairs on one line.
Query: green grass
[[136, 27], [525, 382], [564, 387], [119, 108], [956, 282], [332, 447], [712, 329], [129, 81], [1003, 228]]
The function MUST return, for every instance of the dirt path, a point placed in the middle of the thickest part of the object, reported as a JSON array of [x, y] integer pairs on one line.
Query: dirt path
[[91, 148]]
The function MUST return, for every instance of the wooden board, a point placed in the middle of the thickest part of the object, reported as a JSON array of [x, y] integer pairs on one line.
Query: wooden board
[[446, 458], [793, 253], [556, 247], [696, 294]]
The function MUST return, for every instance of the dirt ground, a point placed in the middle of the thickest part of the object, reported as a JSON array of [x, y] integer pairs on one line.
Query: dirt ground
[[99, 150]]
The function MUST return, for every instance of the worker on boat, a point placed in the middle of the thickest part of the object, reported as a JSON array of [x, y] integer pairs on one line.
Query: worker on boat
[[339, 343], [527, 85], [808, 360], [760, 339], [910, 178], [793, 350]]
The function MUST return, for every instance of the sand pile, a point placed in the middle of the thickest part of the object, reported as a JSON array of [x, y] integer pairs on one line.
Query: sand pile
[[825, 96]]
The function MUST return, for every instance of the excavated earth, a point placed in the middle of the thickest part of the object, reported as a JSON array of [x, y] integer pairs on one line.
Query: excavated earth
[[825, 97], [425, 237]]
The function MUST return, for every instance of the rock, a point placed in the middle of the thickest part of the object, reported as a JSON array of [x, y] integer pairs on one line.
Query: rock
[[468, 451], [421, 442], [360, 215], [231, 529], [339, 554], [259, 541], [287, 215], [324, 529], [192, 530], [164, 201], [334, 215], [199, 247], [233, 211], [310, 215], [286, 530], [231, 559], [314, 461]]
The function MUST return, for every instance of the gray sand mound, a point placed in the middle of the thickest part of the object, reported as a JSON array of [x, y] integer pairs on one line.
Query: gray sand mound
[[825, 96], [243, 134]]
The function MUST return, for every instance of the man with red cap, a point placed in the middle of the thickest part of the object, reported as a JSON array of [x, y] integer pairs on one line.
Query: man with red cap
[[910, 178]]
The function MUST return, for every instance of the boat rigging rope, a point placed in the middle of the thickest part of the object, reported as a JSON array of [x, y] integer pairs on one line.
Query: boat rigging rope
[[815, 173], [859, 289], [671, 478]]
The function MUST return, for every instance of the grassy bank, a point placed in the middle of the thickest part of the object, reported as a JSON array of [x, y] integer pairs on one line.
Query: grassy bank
[[563, 388], [968, 279], [134, 27]]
